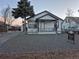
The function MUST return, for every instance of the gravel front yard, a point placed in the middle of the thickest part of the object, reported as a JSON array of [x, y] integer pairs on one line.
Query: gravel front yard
[[7, 35], [38, 43]]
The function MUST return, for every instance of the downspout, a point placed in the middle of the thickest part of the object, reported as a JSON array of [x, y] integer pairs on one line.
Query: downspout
[[61, 25], [37, 24]]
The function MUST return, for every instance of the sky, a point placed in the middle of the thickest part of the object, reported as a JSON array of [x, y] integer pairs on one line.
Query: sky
[[56, 7]]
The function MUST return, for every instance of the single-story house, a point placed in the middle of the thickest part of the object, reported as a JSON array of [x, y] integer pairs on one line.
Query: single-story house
[[44, 22], [71, 23]]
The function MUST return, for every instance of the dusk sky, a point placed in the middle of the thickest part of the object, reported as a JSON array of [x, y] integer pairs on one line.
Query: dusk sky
[[57, 7]]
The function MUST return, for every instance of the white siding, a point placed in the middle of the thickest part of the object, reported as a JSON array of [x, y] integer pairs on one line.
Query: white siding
[[31, 28], [48, 17], [31, 24], [60, 25], [22, 28]]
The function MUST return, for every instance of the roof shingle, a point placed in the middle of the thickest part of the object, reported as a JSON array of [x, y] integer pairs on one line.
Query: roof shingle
[[76, 19]]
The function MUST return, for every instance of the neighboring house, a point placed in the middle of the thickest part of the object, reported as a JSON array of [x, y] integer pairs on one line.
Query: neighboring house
[[14, 25], [44, 22], [71, 23]]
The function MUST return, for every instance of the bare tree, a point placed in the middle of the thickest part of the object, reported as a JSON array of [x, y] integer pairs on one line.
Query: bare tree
[[10, 18], [7, 15], [69, 12]]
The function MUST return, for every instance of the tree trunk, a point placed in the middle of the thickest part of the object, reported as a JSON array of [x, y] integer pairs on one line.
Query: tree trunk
[[55, 25], [24, 26], [5, 25]]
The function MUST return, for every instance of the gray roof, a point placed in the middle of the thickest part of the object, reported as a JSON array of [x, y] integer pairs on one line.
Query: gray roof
[[76, 19], [48, 13]]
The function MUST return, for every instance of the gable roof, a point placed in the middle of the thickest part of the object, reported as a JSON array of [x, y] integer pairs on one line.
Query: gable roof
[[48, 13], [47, 18], [75, 19]]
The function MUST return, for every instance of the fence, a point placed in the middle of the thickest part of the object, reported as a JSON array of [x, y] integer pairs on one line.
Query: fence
[[2, 28]]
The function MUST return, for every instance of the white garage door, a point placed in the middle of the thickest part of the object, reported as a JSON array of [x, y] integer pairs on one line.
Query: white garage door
[[46, 26]]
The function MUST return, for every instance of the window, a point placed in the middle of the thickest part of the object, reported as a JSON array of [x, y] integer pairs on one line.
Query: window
[[32, 25]]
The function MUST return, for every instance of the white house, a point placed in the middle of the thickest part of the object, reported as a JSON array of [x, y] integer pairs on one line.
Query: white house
[[44, 22], [71, 23]]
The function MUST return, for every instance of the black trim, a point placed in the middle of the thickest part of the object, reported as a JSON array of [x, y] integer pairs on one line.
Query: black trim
[[42, 16], [44, 20]]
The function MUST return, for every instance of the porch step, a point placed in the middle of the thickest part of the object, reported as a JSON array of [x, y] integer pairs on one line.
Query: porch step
[[43, 32]]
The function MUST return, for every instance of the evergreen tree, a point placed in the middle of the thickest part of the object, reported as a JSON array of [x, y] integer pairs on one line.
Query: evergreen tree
[[23, 10]]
